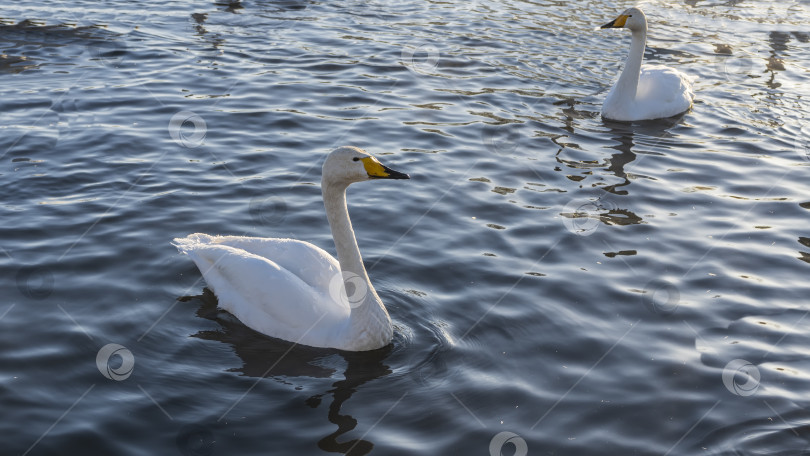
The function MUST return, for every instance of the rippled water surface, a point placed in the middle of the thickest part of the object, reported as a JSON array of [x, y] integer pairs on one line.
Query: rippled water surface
[[560, 284]]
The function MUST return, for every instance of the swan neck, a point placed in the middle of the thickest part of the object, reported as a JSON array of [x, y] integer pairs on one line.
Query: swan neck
[[368, 313], [628, 81], [348, 254]]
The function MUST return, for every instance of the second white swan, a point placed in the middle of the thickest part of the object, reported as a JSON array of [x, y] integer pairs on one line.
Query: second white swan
[[648, 92], [294, 290]]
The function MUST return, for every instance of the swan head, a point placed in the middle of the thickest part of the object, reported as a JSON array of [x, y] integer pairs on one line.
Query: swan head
[[631, 18], [348, 164]]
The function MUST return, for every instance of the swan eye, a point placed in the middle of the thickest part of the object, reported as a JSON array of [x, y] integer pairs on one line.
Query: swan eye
[[356, 159]]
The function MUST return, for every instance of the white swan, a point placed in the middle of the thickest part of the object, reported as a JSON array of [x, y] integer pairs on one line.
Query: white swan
[[649, 92], [293, 290]]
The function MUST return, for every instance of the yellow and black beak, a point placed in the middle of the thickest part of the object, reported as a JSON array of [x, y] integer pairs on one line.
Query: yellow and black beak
[[616, 23], [377, 170]]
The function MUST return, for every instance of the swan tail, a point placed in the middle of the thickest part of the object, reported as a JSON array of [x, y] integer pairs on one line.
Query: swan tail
[[192, 241]]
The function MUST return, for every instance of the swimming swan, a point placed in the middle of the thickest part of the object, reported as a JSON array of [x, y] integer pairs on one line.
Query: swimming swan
[[649, 92], [294, 290]]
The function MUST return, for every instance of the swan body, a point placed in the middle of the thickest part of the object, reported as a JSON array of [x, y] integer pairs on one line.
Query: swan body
[[294, 290], [645, 92]]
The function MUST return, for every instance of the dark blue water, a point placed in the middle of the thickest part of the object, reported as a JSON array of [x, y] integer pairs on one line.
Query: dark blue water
[[560, 284]]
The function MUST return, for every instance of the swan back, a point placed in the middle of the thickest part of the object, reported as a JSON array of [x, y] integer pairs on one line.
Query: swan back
[[265, 295], [313, 265]]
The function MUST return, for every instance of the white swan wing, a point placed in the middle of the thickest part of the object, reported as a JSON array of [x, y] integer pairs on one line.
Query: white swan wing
[[308, 262], [662, 92], [266, 296]]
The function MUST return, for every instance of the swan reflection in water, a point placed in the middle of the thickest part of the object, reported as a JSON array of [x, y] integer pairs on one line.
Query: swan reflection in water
[[273, 358], [629, 140]]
